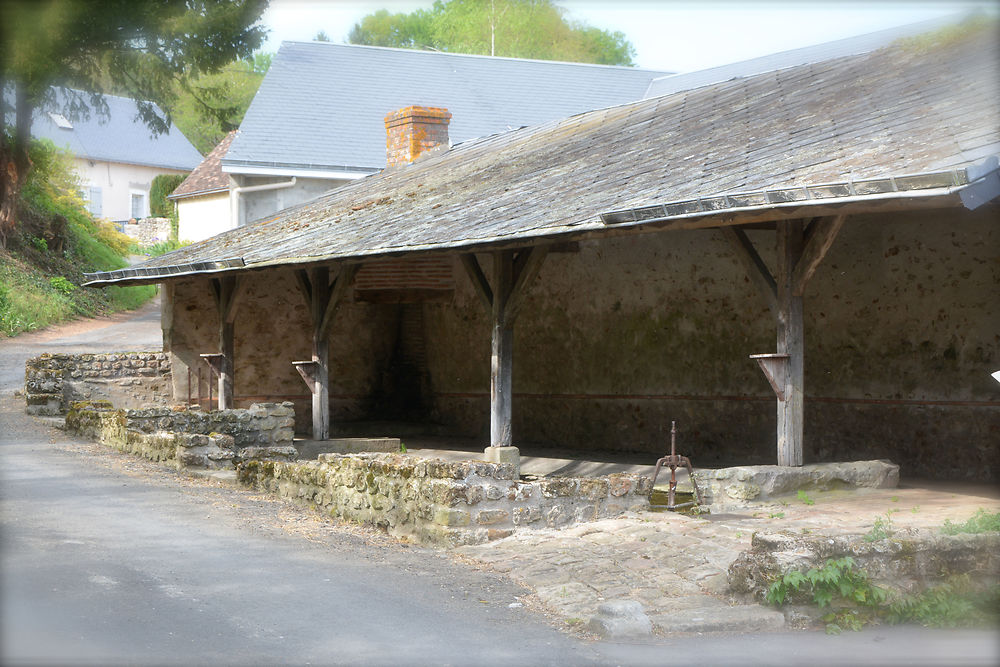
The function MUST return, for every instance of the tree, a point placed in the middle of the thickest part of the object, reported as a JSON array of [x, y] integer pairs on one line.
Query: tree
[[149, 50], [513, 28], [213, 104]]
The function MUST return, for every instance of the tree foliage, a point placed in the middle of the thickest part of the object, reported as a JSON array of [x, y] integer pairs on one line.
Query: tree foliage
[[514, 28], [212, 105], [149, 50], [163, 185]]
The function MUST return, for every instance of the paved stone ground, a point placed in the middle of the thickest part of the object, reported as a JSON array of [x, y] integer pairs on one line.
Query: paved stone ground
[[675, 565]]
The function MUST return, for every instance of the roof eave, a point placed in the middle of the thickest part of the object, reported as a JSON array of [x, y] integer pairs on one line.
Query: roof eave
[[945, 197]]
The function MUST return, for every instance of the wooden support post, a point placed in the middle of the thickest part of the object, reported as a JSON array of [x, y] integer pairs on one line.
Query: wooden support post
[[798, 256], [227, 291], [501, 351], [320, 279], [513, 273], [322, 299], [791, 342]]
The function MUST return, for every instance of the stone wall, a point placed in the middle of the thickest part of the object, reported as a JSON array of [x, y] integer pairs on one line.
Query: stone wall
[[148, 231], [904, 562], [128, 379], [441, 502], [260, 425], [191, 439]]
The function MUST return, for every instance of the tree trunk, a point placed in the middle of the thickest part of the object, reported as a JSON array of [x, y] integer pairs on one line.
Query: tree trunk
[[14, 163]]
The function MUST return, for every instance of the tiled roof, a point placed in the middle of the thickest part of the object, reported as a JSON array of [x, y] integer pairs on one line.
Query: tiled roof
[[902, 110], [321, 105], [120, 137], [207, 176]]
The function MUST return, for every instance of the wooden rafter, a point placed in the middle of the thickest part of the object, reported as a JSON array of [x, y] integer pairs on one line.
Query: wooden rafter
[[822, 235], [478, 278], [755, 266]]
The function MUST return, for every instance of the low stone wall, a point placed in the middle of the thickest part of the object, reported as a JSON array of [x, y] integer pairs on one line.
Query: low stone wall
[[907, 561], [148, 231], [441, 502], [129, 379], [262, 426], [740, 486]]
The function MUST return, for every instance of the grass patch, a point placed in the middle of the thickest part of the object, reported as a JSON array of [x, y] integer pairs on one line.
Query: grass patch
[[980, 522], [53, 244]]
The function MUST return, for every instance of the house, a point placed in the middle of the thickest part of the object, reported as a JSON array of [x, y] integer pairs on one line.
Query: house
[[203, 198], [116, 156], [316, 122], [834, 225]]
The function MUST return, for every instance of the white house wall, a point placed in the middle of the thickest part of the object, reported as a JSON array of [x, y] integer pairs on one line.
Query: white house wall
[[256, 205], [116, 183], [201, 217]]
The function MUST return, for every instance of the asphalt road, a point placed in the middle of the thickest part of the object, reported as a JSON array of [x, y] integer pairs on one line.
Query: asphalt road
[[107, 559]]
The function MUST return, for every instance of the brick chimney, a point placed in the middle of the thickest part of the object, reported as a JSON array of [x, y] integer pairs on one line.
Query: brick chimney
[[413, 130]]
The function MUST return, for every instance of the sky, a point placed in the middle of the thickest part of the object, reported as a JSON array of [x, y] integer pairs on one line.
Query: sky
[[668, 35]]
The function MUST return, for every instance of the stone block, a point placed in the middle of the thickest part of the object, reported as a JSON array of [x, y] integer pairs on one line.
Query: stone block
[[559, 487], [357, 445], [620, 619], [492, 517], [526, 515], [619, 485], [445, 516], [507, 455]]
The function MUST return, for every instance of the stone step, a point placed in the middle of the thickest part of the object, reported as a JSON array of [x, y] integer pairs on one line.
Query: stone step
[[719, 618]]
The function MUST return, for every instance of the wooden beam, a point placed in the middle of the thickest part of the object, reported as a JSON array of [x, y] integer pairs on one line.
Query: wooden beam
[[478, 278], [337, 291], [824, 233], [222, 292], [305, 287], [237, 292], [522, 280], [791, 342], [755, 267], [319, 279], [501, 352]]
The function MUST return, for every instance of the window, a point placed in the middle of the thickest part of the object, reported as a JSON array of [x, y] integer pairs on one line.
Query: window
[[138, 205], [61, 121], [94, 201]]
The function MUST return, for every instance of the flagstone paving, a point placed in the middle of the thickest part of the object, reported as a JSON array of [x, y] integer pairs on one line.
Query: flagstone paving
[[676, 565]]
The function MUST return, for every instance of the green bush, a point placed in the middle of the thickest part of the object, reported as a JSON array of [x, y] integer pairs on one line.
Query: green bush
[[61, 284], [162, 186]]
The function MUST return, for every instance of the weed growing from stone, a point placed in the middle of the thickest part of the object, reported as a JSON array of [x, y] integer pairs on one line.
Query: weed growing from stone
[[952, 604], [882, 529], [980, 522], [777, 515], [804, 497], [836, 579], [857, 602]]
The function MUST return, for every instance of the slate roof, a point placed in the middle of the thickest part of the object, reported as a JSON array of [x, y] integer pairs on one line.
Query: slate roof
[[208, 176], [903, 110], [321, 105], [122, 137]]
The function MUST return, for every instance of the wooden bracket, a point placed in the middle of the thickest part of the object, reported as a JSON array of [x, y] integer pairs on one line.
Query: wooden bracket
[[308, 371], [215, 362], [478, 278], [775, 367]]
